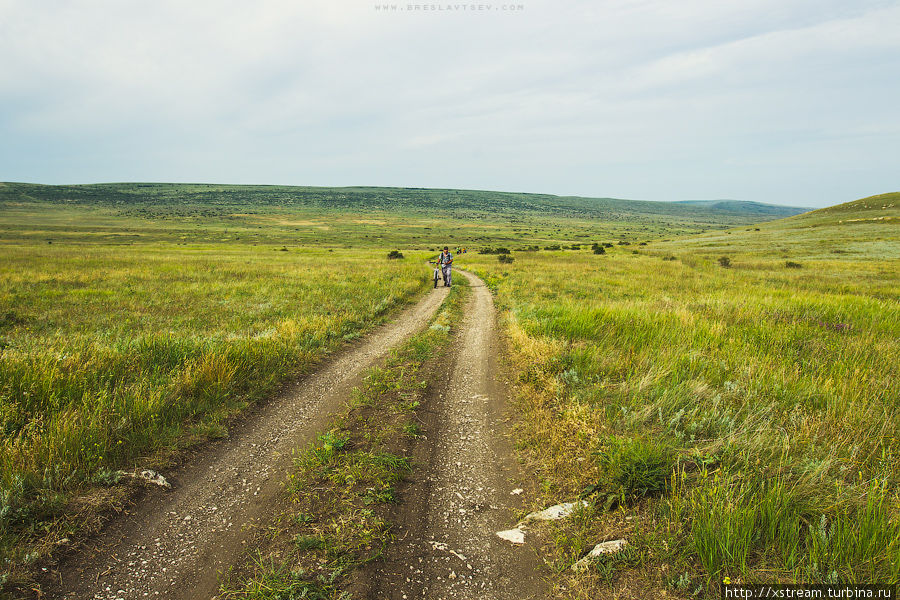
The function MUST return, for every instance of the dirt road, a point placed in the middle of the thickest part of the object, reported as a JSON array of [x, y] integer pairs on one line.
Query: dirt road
[[446, 546], [174, 544]]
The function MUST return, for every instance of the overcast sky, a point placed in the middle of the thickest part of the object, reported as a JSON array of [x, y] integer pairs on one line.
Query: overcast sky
[[784, 101]]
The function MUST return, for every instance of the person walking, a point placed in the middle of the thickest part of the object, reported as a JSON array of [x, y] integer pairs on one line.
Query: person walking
[[446, 260]]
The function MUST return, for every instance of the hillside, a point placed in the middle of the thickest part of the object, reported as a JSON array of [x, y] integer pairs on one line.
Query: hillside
[[743, 207], [863, 228], [149, 195], [393, 216], [881, 208]]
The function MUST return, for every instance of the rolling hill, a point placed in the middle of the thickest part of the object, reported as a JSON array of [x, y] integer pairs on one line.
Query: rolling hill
[[867, 227], [363, 215], [145, 196]]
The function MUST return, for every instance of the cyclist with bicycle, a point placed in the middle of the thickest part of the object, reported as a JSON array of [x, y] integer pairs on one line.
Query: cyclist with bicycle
[[445, 260]]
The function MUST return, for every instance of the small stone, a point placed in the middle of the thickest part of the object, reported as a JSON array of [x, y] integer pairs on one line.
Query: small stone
[[609, 547], [555, 512], [516, 536]]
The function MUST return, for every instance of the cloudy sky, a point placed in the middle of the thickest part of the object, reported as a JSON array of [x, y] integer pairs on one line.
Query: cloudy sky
[[784, 101]]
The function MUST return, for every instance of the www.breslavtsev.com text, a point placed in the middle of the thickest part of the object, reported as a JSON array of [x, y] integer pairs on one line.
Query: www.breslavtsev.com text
[[449, 7]]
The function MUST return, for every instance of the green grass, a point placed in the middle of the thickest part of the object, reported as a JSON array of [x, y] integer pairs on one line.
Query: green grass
[[277, 581], [776, 387], [110, 354]]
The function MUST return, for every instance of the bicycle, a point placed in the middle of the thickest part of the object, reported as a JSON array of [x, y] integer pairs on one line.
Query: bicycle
[[438, 273]]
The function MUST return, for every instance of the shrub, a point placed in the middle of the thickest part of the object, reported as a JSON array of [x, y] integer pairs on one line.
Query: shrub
[[393, 254], [792, 265], [599, 250], [670, 257], [635, 468], [724, 261], [505, 258]]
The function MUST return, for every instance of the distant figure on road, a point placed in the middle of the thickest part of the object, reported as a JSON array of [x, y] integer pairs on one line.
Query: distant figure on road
[[445, 260]]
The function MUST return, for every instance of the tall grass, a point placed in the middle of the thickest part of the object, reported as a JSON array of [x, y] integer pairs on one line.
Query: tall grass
[[111, 353], [778, 388]]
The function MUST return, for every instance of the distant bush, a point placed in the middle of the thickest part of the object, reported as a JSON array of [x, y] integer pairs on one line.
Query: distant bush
[[624, 243], [607, 244], [395, 254], [642, 244], [724, 261], [599, 250], [669, 257], [505, 258], [554, 247], [792, 265], [489, 250], [574, 247]]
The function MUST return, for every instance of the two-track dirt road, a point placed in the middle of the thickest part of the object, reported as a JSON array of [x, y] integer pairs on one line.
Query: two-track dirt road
[[175, 543], [463, 493]]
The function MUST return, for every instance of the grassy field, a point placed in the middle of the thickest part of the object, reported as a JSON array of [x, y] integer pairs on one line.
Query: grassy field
[[137, 317], [112, 353], [728, 384], [730, 402], [130, 213]]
